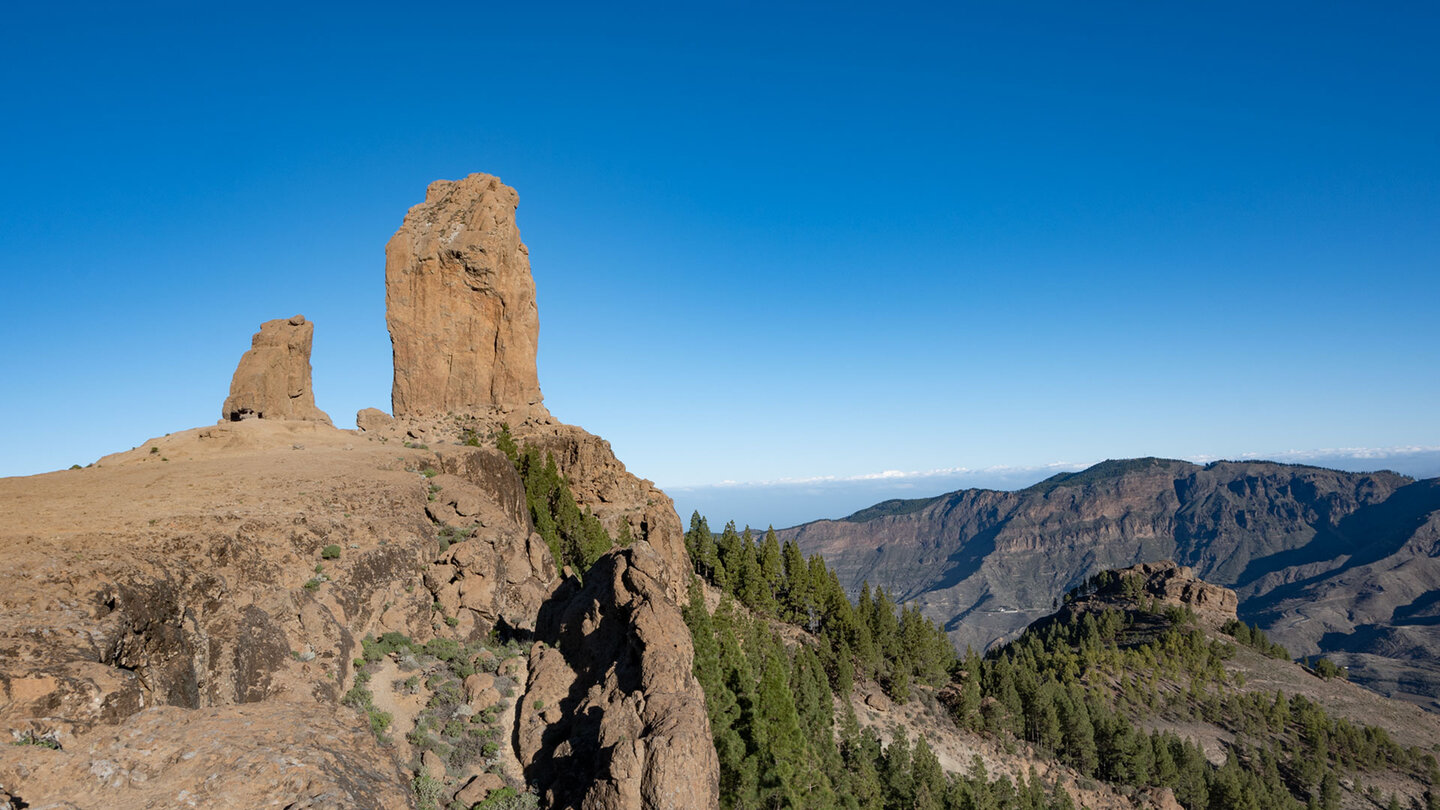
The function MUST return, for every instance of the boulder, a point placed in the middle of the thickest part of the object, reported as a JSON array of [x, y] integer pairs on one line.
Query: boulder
[[373, 420], [272, 380], [460, 303]]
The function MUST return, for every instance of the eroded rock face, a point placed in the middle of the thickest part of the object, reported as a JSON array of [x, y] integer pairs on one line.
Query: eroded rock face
[[1168, 584], [601, 483], [1178, 584], [613, 715], [460, 303], [273, 378], [498, 572]]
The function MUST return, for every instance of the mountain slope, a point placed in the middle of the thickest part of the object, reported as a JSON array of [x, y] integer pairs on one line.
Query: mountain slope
[[1322, 559]]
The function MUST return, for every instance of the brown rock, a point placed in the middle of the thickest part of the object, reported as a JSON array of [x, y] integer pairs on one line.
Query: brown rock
[[258, 755], [476, 684], [273, 378], [460, 303], [478, 788], [373, 420], [638, 735], [431, 763], [601, 484]]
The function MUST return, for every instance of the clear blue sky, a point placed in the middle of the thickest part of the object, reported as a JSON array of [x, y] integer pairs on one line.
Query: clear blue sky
[[769, 243]]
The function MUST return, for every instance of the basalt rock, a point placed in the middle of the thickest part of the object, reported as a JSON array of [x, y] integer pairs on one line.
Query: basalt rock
[[460, 303], [273, 378]]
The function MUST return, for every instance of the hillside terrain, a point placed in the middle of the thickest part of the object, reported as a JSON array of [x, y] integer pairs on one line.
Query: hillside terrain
[[1142, 690], [462, 603], [1345, 564]]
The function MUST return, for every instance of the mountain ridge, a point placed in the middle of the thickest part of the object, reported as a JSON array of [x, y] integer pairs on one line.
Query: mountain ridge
[[985, 562]]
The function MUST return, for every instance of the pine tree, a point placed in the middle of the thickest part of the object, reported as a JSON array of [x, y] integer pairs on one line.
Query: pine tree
[[927, 777], [707, 657], [772, 568], [798, 603], [898, 776], [738, 737], [786, 772]]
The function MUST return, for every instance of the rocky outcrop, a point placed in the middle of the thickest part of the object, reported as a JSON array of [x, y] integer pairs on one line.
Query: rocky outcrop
[[272, 380], [1164, 582], [613, 715], [601, 483], [495, 571], [460, 304], [184, 619]]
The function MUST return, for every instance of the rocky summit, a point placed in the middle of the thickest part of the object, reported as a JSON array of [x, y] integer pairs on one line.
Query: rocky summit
[[271, 611], [460, 303]]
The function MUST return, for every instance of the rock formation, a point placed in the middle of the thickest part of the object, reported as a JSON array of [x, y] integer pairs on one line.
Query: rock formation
[[460, 303], [185, 622], [1168, 584], [610, 716], [273, 378], [601, 484]]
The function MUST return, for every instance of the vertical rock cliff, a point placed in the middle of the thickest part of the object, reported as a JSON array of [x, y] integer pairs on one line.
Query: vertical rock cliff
[[460, 303]]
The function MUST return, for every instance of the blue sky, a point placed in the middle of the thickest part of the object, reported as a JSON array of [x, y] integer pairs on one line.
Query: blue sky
[[769, 243]]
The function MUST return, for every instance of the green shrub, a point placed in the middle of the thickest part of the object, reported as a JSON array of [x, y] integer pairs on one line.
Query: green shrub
[[375, 649], [1328, 669], [428, 791], [330, 552], [43, 741], [379, 722]]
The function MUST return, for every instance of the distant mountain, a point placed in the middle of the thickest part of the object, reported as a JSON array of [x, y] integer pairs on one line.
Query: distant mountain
[[1325, 561]]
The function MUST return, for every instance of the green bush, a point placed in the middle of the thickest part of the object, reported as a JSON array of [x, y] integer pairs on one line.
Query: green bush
[[428, 791], [330, 552]]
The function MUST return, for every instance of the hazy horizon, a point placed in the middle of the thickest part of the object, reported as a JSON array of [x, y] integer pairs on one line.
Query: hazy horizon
[[786, 503]]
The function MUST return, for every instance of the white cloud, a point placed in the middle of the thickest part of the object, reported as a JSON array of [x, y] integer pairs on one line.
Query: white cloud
[[1001, 471]]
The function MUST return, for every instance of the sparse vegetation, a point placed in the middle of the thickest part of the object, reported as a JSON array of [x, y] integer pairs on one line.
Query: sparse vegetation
[[446, 725], [36, 739], [449, 535], [428, 791], [508, 798]]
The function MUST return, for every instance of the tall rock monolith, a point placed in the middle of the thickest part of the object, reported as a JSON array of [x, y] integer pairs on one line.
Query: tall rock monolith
[[272, 380], [460, 304]]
